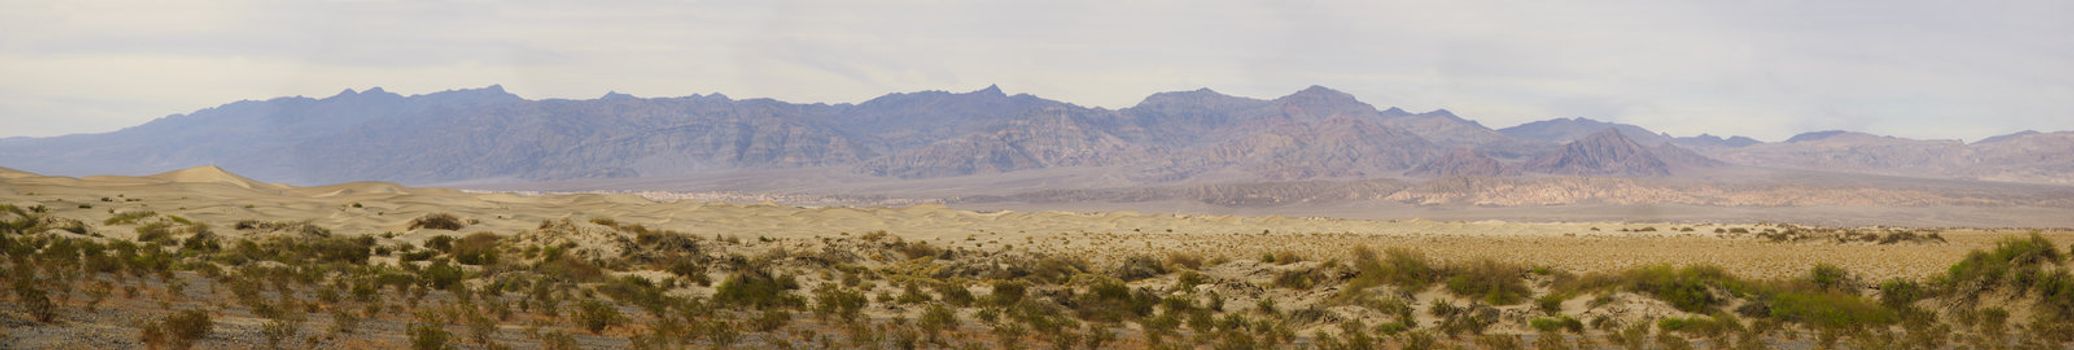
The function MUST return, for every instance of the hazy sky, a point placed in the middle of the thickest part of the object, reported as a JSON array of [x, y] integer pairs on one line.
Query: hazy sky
[[1769, 69]]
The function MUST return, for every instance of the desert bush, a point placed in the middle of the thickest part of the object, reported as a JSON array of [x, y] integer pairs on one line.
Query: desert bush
[[1110, 300], [179, 330], [1137, 267], [1455, 320], [771, 320], [1191, 261], [1296, 279], [478, 248], [128, 217], [1828, 277], [2014, 263], [299, 227], [1899, 293], [596, 315], [637, 291], [954, 292], [440, 243], [1556, 324], [35, 300], [1282, 257], [438, 221], [428, 334], [156, 232], [1689, 289], [1057, 269], [1692, 326], [278, 331], [1829, 310], [1407, 269], [758, 289], [843, 303], [1490, 281], [1007, 292], [917, 250], [2055, 301], [441, 275], [936, 319]]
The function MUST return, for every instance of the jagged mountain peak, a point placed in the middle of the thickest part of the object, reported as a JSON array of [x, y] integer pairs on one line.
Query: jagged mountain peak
[[1607, 152], [1318, 92], [991, 89], [1564, 130]]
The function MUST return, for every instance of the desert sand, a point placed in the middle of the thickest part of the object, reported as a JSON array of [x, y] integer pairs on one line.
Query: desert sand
[[1291, 272], [209, 194]]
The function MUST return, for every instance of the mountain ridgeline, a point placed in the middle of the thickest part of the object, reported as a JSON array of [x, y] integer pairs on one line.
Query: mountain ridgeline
[[1316, 133]]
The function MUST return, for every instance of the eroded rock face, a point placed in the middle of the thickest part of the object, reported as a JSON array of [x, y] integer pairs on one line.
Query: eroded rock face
[[1465, 162], [488, 134], [1603, 153]]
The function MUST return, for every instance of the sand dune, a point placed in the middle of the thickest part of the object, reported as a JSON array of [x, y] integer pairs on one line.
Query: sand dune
[[211, 195]]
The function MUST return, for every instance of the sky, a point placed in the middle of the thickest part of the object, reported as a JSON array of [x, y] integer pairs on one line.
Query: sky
[[1762, 68]]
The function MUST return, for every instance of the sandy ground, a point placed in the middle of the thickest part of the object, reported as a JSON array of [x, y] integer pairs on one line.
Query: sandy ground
[[1233, 244], [211, 195]]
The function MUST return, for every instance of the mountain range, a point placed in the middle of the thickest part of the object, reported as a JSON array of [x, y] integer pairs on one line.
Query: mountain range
[[488, 135]]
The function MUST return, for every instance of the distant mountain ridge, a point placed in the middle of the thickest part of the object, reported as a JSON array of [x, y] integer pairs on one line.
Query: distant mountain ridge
[[1183, 136]]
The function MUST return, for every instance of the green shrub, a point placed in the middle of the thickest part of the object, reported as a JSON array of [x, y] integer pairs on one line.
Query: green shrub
[[937, 319], [1552, 303], [35, 300], [1137, 267], [179, 330], [157, 232], [1408, 269], [441, 275], [438, 221], [1296, 279], [1829, 310], [1689, 289], [830, 300], [2056, 297], [1557, 324], [1899, 293], [1490, 281], [637, 291], [1190, 261], [1007, 292], [954, 292], [478, 248], [596, 315], [758, 289], [128, 217], [1109, 300], [426, 335], [1831, 278], [2013, 262], [1696, 325]]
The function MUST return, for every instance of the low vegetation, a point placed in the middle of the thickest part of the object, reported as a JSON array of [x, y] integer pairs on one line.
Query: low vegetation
[[605, 283]]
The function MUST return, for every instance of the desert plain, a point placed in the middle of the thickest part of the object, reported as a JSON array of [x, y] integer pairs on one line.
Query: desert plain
[[616, 270]]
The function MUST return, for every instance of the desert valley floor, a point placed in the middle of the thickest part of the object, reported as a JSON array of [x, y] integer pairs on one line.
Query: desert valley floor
[[1276, 281]]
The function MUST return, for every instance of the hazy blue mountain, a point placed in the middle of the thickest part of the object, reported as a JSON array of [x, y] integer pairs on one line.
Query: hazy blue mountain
[[1316, 133]]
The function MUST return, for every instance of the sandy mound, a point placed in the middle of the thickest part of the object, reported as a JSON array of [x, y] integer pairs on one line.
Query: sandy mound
[[351, 188], [213, 174], [9, 173]]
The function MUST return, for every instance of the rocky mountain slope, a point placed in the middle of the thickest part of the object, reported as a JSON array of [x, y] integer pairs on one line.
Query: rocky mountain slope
[[1199, 136]]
